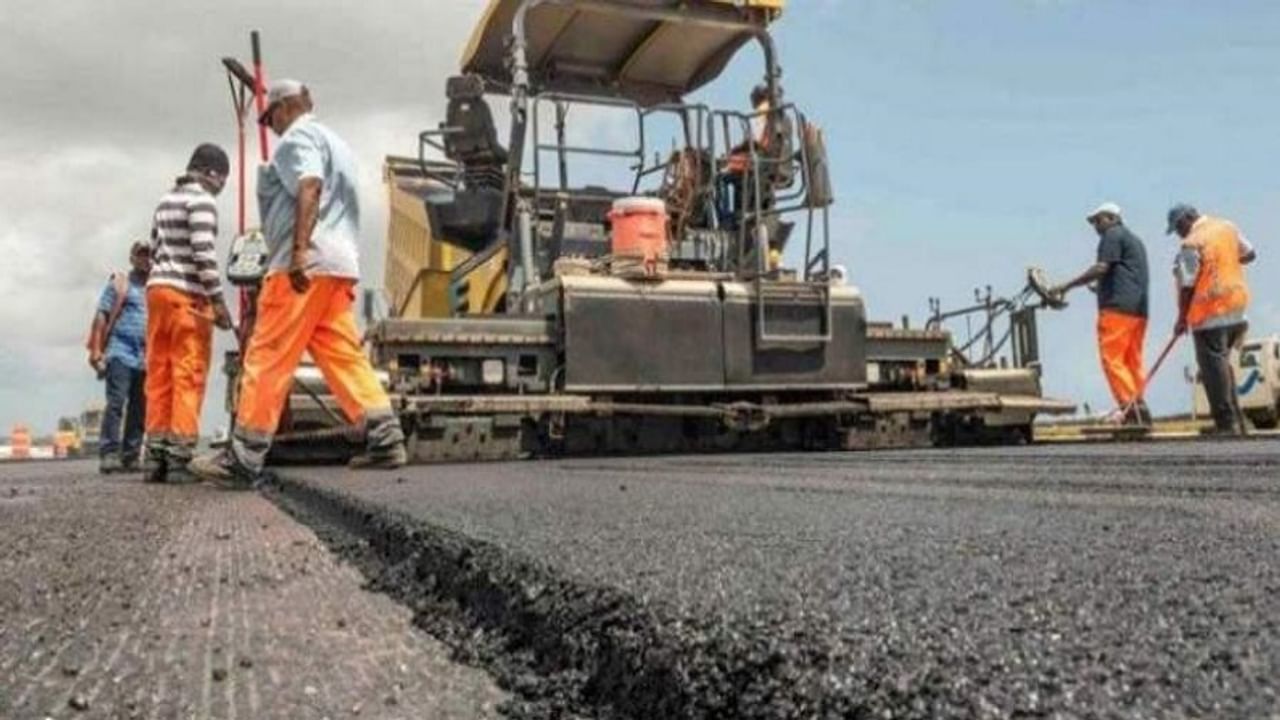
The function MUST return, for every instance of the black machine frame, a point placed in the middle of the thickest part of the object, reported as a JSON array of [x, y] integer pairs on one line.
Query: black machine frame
[[724, 352], [707, 131]]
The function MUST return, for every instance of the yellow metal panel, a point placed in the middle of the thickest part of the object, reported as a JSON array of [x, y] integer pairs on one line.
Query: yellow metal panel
[[772, 4], [432, 299], [612, 50], [479, 32], [420, 265], [487, 284], [416, 259]]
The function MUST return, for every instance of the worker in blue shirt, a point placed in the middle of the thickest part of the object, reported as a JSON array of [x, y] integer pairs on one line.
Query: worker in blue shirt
[[117, 351]]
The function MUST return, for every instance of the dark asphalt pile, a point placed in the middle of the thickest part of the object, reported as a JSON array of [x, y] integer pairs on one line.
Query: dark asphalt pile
[[1084, 581]]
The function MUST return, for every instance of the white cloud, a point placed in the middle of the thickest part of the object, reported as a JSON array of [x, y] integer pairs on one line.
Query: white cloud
[[102, 105]]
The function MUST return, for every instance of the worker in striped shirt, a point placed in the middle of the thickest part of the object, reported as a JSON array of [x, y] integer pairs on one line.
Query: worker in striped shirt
[[184, 303]]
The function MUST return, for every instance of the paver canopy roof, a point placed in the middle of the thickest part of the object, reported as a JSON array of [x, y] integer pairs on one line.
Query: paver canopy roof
[[649, 51]]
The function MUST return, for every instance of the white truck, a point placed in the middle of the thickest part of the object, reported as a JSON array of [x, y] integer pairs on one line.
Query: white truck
[[1257, 367]]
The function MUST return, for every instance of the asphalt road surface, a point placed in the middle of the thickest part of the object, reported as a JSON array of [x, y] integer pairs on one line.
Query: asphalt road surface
[[1091, 581], [123, 600], [1098, 581]]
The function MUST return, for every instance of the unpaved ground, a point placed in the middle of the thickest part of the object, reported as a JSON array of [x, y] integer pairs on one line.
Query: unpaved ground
[[122, 600], [1104, 581]]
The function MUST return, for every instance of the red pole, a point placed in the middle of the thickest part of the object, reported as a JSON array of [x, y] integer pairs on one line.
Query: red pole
[[241, 140], [259, 93], [260, 105], [240, 137], [238, 80]]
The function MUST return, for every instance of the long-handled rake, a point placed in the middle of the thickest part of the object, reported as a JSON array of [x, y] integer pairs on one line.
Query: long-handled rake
[[1146, 381]]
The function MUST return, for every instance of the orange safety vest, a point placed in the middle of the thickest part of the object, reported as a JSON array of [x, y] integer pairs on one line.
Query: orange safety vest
[[1220, 287], [739, 161]]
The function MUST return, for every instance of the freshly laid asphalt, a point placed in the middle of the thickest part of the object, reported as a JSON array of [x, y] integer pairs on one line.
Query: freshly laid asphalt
[[1125, 581], [1089, 581]]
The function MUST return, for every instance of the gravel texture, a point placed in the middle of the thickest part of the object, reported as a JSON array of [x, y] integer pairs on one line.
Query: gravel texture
[[125, 600], [1099, 581]]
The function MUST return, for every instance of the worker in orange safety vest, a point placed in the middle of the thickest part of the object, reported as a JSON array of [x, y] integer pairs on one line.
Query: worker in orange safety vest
[[769, 145], [1213, 298]]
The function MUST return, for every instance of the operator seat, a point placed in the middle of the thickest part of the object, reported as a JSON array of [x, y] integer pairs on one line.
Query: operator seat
[[470, 216], [471, 139]]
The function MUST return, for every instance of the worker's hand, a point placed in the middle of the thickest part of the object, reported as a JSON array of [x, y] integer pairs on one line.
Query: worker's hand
[[96, 362], [221, 316], [1180, 327], [1056, 297], [298, 272]]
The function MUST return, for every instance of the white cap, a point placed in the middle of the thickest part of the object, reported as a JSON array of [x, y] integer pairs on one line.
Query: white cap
[[1106, 208], [279, 91]]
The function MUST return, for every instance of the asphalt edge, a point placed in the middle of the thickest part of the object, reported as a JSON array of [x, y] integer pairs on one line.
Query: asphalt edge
[[559, 646]]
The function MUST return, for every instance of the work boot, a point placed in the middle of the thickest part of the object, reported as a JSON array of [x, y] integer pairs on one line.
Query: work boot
[[384, 443], [1223, 433], [155, 465], [1144, 414], [223, 470], [179, 472], [385, 458], [110, 463], [1138, 415]]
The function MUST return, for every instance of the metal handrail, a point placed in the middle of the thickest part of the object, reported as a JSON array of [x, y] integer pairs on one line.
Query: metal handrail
[[757, 214], [539, 148], [516, 214], [425, 138]]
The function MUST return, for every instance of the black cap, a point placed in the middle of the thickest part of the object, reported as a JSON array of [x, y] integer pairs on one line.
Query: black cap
[[1180, 213], [210, 158]]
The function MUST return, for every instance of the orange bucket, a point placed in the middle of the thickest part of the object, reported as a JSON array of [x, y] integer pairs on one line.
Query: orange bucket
[[640, 231]]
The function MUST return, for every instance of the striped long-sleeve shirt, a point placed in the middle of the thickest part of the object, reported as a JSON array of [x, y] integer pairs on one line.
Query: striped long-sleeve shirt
[[182, 233]]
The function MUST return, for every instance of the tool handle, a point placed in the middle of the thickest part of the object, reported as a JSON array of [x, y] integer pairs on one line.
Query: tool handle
[[1146, 381]]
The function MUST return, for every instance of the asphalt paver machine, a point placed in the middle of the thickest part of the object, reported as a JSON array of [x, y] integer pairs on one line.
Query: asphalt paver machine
[[536, 309]]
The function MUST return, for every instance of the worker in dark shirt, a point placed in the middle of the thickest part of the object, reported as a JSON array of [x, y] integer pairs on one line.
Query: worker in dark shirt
[[1120, 273]]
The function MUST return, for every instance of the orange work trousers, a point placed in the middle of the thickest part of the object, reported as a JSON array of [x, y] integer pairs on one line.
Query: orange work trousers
[[1120, 340], [321, 322], [179, 341]]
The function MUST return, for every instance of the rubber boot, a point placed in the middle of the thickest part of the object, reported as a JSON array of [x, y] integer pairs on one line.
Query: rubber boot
[[109, 464], [385, 448], [155, 466]]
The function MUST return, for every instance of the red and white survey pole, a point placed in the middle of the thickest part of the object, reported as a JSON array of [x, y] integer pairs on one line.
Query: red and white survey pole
[[240, 104], [243, 83]]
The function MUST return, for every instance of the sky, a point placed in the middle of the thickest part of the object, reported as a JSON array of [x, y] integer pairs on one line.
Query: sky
[[967, 141]]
